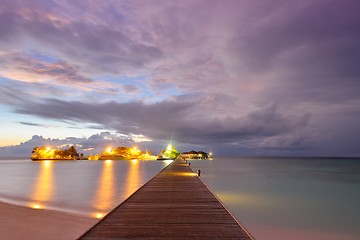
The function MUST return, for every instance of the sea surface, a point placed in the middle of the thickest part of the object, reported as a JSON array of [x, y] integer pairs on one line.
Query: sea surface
[[289, 198], [274, 198], [90, 188]]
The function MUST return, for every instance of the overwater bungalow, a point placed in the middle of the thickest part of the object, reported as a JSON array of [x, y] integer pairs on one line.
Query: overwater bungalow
[[195, 155]]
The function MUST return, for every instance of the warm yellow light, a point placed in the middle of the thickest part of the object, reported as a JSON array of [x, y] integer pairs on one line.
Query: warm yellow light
[[36, 206], [47, 163], [44, 186], [185, 174], [167, 162], [133, 180], [169, 147], [210, 153], [135, 148], [108, 150], [104, 198], [48, 149], [134, 161]]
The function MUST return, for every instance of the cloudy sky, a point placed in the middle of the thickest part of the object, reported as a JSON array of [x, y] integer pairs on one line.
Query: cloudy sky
[[245, 77]]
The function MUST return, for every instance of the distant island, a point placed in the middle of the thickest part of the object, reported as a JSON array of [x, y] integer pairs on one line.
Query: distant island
[[169, 153], [118, 153], [48, 153], [123, 153]]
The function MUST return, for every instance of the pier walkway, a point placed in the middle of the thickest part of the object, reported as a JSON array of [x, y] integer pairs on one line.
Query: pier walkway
[[175, 204]]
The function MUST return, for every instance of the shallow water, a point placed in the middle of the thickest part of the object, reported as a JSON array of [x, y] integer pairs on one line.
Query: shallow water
[[90, 188], [274, 198], [289, 198]]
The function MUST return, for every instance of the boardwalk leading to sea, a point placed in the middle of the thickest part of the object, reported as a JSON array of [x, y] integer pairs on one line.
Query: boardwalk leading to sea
[[175, 204]]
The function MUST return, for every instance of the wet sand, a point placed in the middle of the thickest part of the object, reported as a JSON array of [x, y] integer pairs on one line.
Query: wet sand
[[17, 223]]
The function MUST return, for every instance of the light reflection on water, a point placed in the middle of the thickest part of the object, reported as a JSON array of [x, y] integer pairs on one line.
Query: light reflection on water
[[44, 186], [90, 188], [104, 197], [133, 180]]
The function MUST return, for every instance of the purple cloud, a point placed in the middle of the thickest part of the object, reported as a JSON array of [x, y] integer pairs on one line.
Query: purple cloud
[[279, 75], [178, 118], [103, 48], [60, 72]]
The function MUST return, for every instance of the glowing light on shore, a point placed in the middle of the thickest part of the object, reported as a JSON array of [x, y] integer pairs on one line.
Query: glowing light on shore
[[109, 150], [135, 152], [99, 215], [35, 206]]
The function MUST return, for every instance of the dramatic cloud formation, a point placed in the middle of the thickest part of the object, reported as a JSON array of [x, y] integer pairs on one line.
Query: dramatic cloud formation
[[240, 77], [92, 145]]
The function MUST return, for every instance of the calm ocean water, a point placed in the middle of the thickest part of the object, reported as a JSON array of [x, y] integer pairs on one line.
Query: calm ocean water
[[274, 198], [289, 198], [89, 188]]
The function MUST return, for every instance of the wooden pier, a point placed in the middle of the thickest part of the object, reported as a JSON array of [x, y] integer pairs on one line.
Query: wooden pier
[[175, 204]]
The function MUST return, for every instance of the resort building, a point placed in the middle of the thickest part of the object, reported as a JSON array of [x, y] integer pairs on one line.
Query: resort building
[[195, 155]]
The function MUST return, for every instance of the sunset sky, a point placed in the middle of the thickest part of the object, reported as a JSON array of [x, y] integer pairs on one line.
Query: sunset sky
[[241, 77]]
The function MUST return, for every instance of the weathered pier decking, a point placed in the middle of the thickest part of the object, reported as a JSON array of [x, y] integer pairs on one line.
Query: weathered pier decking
[[175, 204]]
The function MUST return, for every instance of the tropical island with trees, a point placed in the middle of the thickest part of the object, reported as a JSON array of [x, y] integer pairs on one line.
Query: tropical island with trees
[[48, 153], [118, 153]]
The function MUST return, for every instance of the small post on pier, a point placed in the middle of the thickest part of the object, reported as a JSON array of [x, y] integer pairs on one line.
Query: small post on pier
[[199, 172]]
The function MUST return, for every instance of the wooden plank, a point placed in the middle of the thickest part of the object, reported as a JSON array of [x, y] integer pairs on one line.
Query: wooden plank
[[175, 204]]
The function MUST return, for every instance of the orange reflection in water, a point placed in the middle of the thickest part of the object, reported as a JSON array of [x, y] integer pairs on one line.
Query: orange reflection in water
[[44, 186], [104, 198], [133, 178]]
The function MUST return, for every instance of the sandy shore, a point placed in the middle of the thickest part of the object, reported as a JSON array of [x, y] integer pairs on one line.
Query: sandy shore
[[18, 223]]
